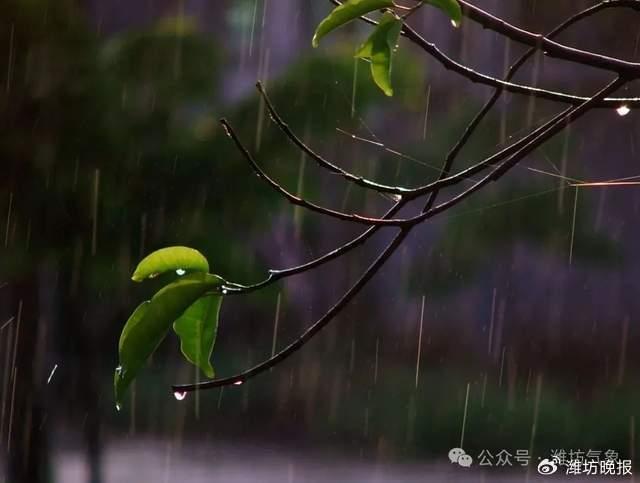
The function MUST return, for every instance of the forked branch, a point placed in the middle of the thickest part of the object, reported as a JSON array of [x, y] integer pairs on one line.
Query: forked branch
[[501, 163]]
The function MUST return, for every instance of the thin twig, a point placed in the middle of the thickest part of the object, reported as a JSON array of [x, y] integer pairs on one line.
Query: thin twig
[[276, 275], [551, 47], [242, 377], [293, 199], [480, 78], [533, 141], [323, 162]]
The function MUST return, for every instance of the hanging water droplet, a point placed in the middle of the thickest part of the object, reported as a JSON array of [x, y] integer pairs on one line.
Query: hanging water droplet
[[180, 272], [623, 110], [238, 383], [180, 396], [225, 291]]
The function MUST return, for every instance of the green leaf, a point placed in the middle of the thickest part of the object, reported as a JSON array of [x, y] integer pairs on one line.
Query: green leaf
[[197, 329], [150, 322], [379, 49], [345, 13], [170, 259], [450, 7]]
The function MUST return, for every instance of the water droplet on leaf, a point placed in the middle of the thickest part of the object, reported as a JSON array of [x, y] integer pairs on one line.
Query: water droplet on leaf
[[180, 272]]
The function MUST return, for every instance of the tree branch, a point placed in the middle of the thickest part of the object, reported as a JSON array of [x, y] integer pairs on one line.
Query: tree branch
[[242, 377], [276, 275], [515, 153], [551, 47], [293, 199], [480, 78], [323, 162]]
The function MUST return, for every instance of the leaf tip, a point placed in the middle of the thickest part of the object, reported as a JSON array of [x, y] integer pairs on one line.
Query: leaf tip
[[209, 372]]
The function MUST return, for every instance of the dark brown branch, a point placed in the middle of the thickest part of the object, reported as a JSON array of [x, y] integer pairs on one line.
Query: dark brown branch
[[566, 119], [293, 199], [480, 78], [242, 377], [323, 162], [631, 70], [275, 275], [552, 128]]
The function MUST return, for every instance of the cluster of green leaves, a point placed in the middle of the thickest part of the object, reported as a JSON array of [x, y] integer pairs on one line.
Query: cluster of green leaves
[[381, 45], [191, 304]]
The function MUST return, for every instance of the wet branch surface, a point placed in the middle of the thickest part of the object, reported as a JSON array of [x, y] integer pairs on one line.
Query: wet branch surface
[[498, 164]]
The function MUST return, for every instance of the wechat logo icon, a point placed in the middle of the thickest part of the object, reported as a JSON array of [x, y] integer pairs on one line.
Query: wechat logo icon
[[458, 455]]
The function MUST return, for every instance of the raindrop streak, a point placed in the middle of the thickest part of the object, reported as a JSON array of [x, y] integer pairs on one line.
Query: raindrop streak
[[484, 390], [352, 357], [354, 89], [573, 225], [426, 113], [10, 61], [94, 205], [419, 342], [143, 234], [180, 272], [253, 28], [501, 366], [53, 371], [14, 376], [563, 170], [118, 407], [375, 368], [503, 110], [455, 24], [297, 210], [5, 379], [632, 437], [623, 110], [6, 232], [536, 410], [275, 326], [7, 323], [132, 412], [238, 383], [493, 315], [263, 70], [220, 397], [180, 396], [464, 417], [623, 350]]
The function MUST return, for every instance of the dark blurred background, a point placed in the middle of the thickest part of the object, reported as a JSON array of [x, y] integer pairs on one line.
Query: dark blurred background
[[110, 148]]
